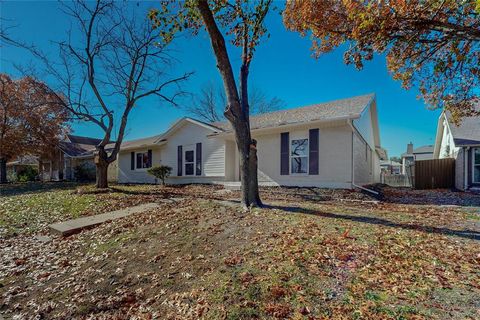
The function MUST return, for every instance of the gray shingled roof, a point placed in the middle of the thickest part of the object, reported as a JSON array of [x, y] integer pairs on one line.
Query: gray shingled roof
[[350, 107], [422, 149], [140, 142], [468, 132]]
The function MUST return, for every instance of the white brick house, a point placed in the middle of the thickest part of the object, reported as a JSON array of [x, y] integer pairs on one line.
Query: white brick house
[[334, 145]]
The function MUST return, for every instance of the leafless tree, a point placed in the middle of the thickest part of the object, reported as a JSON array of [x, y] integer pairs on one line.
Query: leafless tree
[[109, 62], [209, 104]]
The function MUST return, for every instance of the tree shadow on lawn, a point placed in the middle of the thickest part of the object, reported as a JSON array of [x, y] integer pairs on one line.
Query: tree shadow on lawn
[[467, 234], [15, 189]]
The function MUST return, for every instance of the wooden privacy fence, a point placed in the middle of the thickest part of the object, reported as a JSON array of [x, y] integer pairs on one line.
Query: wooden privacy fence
[[435, 173]]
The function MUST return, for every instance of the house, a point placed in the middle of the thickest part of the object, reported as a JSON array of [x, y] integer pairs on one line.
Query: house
[[73, 159], [420, 153], [461, 142], [390, 167], [334, 144], [20, 164]]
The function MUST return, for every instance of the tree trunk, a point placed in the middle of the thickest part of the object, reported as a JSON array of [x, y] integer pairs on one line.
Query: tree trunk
[[3, 170], [236, 111], [102, 169]]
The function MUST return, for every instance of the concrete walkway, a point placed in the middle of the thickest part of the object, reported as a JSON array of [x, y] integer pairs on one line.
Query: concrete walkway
[[76, 225]]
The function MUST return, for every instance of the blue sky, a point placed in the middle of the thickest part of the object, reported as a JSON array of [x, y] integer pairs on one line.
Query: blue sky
[[283, 67]]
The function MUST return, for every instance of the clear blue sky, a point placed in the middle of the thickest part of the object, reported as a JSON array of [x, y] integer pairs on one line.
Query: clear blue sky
[[283, 67]]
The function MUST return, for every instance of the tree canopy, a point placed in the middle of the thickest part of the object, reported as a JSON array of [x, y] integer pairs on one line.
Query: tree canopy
[[434, 45], [32, 119]]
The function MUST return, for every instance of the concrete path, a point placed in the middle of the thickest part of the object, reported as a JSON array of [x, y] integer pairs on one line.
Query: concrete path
[[76, 225]]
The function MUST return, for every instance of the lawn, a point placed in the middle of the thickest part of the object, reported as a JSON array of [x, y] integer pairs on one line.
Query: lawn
[[308, 254]]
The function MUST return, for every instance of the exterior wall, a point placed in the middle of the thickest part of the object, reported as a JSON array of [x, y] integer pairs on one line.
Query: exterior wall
[[424, 156], [213, 157], [459, 168], [365, 127], [230, 162], [125, 172], [334, 158], [447, 144], [363, 162]]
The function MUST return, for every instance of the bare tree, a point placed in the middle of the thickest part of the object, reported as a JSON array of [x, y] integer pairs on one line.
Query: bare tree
[[209, 104], [107, 65]]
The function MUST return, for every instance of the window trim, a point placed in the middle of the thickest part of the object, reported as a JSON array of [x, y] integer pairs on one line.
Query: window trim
[[474, 164], [185, 150], [136, 161], [290, 157]]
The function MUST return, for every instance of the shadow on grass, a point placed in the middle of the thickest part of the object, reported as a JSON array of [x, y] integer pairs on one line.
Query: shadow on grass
[[467, 234], [15, 189]]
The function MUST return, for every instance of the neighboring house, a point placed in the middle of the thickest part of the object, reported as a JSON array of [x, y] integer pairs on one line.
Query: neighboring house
[[391, 167], [20, 164], [334, 144], [462, 143], [420, 153], [73, 154]]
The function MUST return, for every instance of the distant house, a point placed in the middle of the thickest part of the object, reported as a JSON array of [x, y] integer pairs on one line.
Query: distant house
[[74, 156], [15, 167], [420, 153], [334, 144], [461, 142], [390, 167]]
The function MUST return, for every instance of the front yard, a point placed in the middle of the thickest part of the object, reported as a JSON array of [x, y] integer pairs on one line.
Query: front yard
[[309, 254]]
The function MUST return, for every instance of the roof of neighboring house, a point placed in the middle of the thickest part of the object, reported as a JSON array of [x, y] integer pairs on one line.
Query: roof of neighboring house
[[467, 132], [80, 146], [27, 160], [83, 140], [419, 150], [332, 110], [389, 163]]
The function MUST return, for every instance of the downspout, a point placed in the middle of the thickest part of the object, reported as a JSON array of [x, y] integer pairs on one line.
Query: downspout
[[353, 166]]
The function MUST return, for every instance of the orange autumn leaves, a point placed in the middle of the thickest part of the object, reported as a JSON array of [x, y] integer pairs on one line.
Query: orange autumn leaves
[[433, 45]]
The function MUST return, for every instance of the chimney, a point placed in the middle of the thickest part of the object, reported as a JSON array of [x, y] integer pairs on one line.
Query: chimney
[[410, 148]]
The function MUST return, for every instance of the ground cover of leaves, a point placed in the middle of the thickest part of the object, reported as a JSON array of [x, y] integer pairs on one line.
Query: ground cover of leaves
[[309, 254]]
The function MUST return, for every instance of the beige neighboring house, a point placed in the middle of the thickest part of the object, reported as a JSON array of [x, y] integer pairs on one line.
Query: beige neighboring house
[[20, 164], [72, 152], [412, 155], [332, 145], [461, 142]]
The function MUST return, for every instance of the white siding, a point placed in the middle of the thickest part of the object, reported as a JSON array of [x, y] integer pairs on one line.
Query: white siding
[[188, 135], [365, 127], [363, 161], [125, 172], [447, 145]]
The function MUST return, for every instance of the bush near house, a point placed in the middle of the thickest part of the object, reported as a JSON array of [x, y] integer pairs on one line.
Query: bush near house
[[160, 172]]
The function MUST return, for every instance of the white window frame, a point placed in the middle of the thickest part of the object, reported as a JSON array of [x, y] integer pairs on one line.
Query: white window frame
[[290, 157], [136, 160], [189, 148], [474, 164]]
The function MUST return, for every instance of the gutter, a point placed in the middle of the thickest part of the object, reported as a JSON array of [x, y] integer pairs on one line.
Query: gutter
[[353, 166], [290, 125]]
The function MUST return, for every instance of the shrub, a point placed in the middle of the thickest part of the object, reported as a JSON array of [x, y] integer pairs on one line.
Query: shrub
[[27, 174], [84, 172], [160, 172]]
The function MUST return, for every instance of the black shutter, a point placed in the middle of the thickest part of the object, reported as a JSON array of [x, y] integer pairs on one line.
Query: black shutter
[[284, 150], [132, 160], [469, 154], [179, 161], [313, 152], [198, 160], [150, 158]]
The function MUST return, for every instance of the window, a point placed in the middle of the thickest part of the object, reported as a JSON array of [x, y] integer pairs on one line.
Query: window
[[299, 156], [476, 165], [143, 161], [189, 162]]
